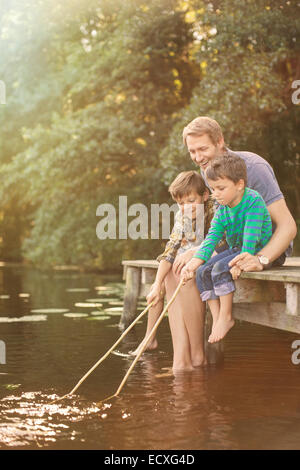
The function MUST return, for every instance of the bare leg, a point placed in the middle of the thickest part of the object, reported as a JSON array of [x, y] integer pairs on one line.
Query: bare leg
[[186, 318], [193, 311], [214, 306], [224, 321], [153, 315], [181, 346]]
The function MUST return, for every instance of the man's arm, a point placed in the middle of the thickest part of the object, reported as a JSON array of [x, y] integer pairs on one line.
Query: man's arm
[[285, 232]]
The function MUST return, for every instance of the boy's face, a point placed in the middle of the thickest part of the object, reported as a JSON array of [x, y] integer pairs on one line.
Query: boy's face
[[226, 192], [189, 203], [202, 150]]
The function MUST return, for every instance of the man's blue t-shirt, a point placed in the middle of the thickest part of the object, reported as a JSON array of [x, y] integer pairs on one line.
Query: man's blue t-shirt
[[260, 176]]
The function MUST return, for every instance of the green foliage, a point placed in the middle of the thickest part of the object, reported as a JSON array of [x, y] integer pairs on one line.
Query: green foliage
[[98, 93], [249, 53], [120, 83]]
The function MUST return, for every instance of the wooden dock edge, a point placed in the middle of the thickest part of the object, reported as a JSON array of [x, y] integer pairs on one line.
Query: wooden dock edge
[[270, 298]]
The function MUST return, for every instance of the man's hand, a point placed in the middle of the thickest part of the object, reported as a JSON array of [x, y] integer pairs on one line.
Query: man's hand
[[182, 260], [246, 262], [235, 272], [155, 294], [189, 270]]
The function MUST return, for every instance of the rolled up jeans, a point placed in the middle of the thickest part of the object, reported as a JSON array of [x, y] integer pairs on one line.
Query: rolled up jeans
[[213, 278]]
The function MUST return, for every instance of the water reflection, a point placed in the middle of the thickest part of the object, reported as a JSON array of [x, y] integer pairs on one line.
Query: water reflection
[[31, 419], [252, 401]]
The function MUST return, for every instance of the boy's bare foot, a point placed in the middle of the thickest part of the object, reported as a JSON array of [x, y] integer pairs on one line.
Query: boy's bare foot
[[220, 329], [152, 345]]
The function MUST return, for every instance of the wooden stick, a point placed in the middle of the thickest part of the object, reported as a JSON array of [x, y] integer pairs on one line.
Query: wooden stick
[[145, 342], [106, 354]]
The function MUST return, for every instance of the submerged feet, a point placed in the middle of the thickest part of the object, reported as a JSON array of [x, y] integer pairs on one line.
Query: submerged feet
[[199, 361], [150, 346], [220, 329], [189, 363]]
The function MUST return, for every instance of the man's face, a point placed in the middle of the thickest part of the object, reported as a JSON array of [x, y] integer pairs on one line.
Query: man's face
[[202, 150]]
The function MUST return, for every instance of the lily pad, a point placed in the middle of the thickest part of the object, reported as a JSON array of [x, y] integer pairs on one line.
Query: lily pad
[[50, 310], [101, 317], [113, 309], [25, 318], [114, 313], [75, 315], [11, 386], [105, 299], [105, 289], [78, 289], [88, 304]]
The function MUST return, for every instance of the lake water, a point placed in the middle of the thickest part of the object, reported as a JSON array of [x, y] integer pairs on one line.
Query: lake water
[[252, 401]]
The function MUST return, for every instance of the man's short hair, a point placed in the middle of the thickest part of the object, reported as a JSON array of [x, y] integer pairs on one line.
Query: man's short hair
[[185, 183], [203, 125], [227, 166]]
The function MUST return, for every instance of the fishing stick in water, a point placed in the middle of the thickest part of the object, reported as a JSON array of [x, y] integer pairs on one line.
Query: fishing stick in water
[[144, 343], [106, 354]]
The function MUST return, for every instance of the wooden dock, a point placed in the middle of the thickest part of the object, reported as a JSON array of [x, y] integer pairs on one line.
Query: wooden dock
[[269, 298]]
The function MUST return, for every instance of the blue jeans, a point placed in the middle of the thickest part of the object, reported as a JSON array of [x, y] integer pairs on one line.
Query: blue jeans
[[213, 278]]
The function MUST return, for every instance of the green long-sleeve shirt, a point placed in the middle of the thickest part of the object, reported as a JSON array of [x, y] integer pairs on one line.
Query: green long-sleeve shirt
[[247, 225]]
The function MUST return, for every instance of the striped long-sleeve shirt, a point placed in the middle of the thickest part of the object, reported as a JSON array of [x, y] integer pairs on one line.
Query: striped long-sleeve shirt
[[247, 225]]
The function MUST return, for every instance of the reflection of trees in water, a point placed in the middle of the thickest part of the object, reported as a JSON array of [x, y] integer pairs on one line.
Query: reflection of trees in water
[[49, 288], [58, 349], [209, 408]]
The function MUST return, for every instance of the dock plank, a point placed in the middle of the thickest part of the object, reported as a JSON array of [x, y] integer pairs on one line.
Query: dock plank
[[290, 274]]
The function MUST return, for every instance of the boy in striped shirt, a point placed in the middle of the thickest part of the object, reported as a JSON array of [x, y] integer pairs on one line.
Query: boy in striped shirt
[[244, 218]]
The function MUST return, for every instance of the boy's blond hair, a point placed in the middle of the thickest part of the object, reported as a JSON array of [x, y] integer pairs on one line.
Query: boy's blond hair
[[185, 183], [203, 125]]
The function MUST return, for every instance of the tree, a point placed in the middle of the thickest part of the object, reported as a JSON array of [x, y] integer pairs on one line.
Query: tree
[[249, 54], [120, 82]]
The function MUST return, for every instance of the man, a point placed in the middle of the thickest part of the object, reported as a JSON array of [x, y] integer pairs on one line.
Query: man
[[204, 140]]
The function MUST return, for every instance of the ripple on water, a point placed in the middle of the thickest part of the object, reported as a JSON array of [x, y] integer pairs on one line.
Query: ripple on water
[[32, 418]]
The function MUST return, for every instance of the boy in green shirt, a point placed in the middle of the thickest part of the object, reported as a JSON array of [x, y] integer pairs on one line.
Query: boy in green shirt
[[191, 225], [245, 219]]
